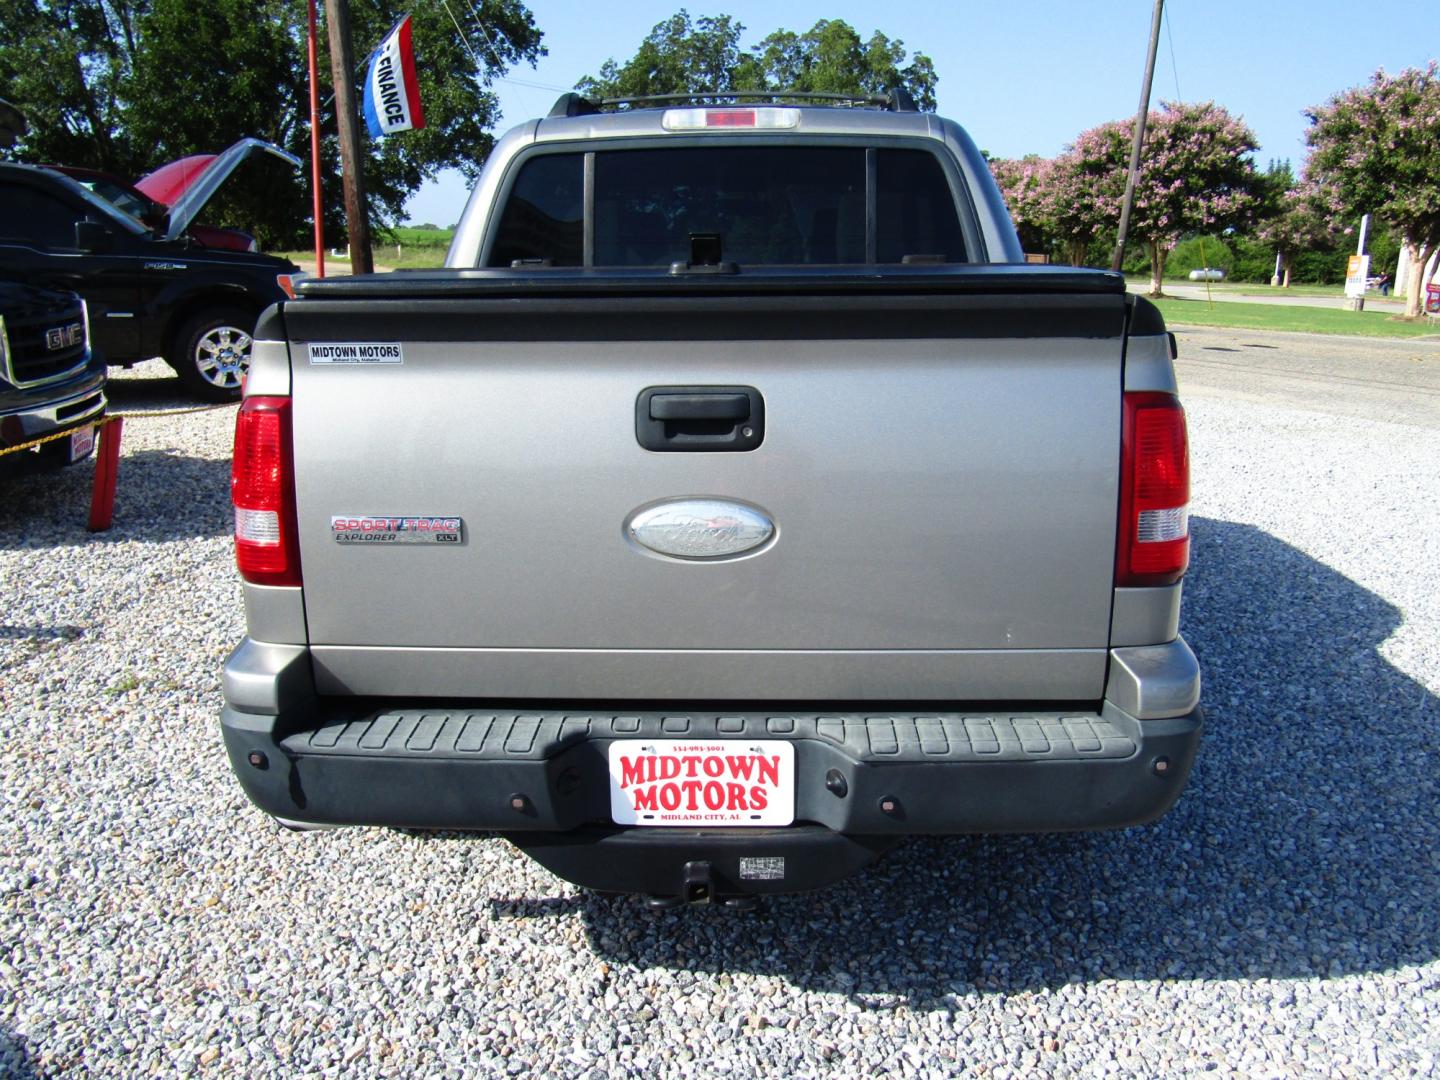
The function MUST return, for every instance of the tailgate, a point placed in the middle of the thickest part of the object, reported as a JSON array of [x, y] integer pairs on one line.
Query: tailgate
[[940, 471]]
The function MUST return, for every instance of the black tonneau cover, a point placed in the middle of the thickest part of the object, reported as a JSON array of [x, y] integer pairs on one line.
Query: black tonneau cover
[[921, 279]]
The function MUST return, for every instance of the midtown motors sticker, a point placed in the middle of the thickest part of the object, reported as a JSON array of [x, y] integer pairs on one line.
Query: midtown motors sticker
[[356, 352], [724, 783]]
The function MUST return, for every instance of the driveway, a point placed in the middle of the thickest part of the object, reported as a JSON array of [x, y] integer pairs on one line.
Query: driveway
[[1281, 920]]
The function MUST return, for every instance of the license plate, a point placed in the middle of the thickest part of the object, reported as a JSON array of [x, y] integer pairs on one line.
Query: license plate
[[719, 784], [82, 441]]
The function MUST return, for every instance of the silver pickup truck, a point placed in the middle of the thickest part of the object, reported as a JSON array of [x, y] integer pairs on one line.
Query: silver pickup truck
[[734, 505]]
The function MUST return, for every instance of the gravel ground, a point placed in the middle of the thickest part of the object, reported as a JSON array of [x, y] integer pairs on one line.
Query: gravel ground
[[1281, 921]]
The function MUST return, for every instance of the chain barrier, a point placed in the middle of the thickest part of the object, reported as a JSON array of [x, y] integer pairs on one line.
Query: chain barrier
[[40, 441], [31, 444]]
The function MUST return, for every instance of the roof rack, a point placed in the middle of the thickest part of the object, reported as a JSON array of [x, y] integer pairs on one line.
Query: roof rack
[[574, 104]]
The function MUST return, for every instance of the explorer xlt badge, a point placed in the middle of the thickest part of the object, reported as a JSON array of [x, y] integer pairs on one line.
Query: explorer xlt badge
[[369, 529]]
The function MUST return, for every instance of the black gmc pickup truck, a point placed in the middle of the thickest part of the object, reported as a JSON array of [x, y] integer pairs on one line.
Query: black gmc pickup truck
[[51, 381]]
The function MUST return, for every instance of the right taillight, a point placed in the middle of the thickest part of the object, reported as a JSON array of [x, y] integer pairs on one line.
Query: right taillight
[[1154, 535], [262, 487]]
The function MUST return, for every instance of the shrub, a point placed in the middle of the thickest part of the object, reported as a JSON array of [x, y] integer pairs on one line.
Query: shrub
[[1188, 256]]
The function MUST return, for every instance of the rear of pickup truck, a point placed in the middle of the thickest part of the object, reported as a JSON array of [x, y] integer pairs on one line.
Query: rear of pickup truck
[[705, 582]]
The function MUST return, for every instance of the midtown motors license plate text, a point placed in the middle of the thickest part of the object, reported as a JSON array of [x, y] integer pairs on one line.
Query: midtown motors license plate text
[[718, 783]]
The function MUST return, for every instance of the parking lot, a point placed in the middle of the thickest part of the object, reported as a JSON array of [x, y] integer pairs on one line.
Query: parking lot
[[1282, 920]]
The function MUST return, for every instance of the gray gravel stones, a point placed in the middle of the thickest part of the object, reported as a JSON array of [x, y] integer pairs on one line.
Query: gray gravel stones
[[1281, 921]]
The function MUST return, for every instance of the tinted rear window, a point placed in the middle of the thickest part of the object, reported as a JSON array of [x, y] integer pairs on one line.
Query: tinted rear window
[[914, 209], [769, 205], [544, 216]]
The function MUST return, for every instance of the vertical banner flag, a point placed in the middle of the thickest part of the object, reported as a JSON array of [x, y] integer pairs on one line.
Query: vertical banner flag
[[392, 93]]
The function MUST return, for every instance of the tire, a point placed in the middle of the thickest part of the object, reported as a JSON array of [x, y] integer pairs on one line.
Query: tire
[[211, 353]]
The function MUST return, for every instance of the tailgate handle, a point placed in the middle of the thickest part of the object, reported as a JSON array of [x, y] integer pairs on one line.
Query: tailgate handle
[[699, 407], [700, 418]]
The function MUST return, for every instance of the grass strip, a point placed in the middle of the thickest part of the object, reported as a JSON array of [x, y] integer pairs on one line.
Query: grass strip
[[1307, 320]]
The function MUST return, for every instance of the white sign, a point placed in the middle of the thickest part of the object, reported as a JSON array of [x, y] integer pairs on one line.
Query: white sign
[[356, 352], [1356, 271]]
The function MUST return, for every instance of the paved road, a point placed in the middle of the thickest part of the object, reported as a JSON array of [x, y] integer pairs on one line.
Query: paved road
[[1368, 378]]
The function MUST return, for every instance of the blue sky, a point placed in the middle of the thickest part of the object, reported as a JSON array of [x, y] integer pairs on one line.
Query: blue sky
[[1024, 76]]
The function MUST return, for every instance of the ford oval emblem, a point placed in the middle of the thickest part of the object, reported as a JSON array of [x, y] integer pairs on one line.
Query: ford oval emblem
[[699, 528]]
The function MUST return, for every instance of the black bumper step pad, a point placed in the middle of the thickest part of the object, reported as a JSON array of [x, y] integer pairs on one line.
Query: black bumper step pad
[[877, 739], [857, 774]]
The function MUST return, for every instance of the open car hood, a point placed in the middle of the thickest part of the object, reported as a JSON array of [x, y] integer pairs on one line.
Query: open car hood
[[186, 185]]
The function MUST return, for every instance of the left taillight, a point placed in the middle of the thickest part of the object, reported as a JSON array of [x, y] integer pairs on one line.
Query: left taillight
[[262, 487], [1154, 534]]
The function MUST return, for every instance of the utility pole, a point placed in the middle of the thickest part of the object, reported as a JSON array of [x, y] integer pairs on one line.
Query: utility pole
[[342, 64], [1140, 117]]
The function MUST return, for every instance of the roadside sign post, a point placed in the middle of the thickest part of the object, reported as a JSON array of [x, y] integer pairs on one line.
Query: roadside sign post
[[1356, 271], [1432, 299]]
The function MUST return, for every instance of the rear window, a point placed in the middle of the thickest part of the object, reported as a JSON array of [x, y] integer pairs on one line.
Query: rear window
[[544, 214], [914, 209], [780, 205]]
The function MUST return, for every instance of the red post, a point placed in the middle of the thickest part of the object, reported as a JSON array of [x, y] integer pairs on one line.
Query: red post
[[107, 468], [315, 149]]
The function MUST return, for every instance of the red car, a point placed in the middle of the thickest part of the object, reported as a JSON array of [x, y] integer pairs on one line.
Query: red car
[[168, 199]]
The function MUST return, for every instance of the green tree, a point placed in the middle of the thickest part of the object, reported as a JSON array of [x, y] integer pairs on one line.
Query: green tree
[[65, 65], [685, 56], [1377, 147], [831, 58], [125, 85], [678, 56]]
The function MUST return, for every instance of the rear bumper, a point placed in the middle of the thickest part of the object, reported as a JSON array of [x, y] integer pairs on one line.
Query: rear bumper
[[863, 779], [545, 771]]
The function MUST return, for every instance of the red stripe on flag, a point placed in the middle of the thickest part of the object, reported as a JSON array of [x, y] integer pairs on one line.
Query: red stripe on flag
[[407, 69]]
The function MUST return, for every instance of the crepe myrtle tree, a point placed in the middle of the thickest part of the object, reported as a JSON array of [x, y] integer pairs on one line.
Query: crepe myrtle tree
[[1307, 217], [1059, 201], [1378, 148], [1025, 184], [1083, 192], [1195, 176]]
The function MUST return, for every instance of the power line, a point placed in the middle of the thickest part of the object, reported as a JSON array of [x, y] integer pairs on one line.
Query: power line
[[480, 25], [490, 42], [465, 41], [1174, 68]]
